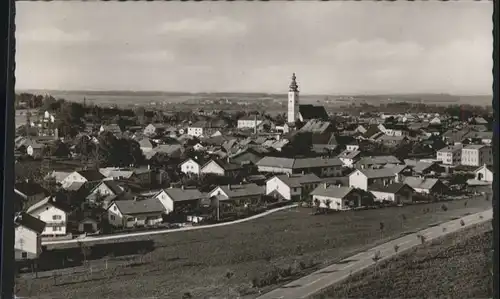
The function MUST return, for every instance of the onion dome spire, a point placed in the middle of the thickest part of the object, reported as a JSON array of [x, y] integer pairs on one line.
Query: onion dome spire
[[293, 84]]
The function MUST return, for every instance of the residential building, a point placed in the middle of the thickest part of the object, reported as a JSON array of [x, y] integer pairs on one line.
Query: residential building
[[222, 168], [28, 242], [376, 161], [238, 194], [137, 212], [349, 157], [105, 191], [174, 198], [336, 197], [112, 128], [30, 192], [450, 155], [191, 166], [393, 130], [83, 177], [364, 178], [205, 128], [292, 186], [426, 185], [155, 129], [53, 213], [249, 122], [477, 155], [146, 145], [398, 193], [318, 165]]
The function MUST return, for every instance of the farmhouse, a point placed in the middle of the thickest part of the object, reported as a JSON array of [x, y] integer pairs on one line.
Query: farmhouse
[[365, 178], [155, 129], [239, 194], [398, 193], [53, 213], [336, 197], [132, 213], [426, 185], [292, 186], [28, 242], [319, 166]]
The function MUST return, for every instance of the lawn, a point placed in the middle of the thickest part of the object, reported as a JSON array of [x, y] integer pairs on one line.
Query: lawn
[[198, 261], [459, 265]]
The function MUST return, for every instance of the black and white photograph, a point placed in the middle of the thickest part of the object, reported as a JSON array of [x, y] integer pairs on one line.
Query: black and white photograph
[[253, 150]]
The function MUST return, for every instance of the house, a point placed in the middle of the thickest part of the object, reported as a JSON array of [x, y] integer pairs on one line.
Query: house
[[424, 168], [205, 128], [393, 130], [238, 194], [35, 150], [106, 191], [222, 168], [364, 178], [479, 137], [450, 155], [136, 212], [318, 165], [146, 145], [249, 122], [115, 173], [30, 192], [392, 141], [435, 121], [484, 174], [191, 166], [82, 176], [477, 155], [349, 157], [171, 150], [308, 112], [88, 225], [426, 185], [28, 241], [292, 186], [249, 155], [376, 161], [336, 197], [53, 213], [398, 193], [173, 199], [155, 129]]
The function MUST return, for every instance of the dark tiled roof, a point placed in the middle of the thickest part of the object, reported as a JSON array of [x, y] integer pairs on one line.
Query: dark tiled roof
[[296, 180], [179, 194], [28, 221], [91, 175], [392, 188], [299, 163], [332, 191], [313, 112], [234, 191], [30, 189], [134, 207]]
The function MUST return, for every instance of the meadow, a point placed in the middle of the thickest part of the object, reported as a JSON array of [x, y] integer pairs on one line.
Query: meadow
[[459, 265], [242, 259]]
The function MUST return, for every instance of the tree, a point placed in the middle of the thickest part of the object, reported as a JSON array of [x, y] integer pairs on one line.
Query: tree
[[317, 203], [328, 203], [69, 120]]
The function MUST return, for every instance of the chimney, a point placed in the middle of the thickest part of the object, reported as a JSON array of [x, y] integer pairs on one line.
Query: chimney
[[325, 185]]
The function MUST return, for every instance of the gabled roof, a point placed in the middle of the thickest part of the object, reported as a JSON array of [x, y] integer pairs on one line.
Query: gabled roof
[[50, 200], [451, 148], [488, 167], [134, 207], [297, 180], [392, 188], [188, 194], [421, 183], [91, 175], [227, 166], [235, 191], [475, 146], [378, 160], [112, 185], [348, 154], [332, 191], [377, 173], [30, 189], [30, 222], [313, 112], [316, 126], [299, 163]]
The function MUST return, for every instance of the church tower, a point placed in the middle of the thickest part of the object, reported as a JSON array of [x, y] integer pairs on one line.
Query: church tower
[[293, 100]]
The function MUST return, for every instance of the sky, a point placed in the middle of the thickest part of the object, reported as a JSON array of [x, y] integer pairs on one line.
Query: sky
[[333, 47]]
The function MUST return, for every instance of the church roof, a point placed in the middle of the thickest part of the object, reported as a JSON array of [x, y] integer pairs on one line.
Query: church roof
[[313, 112]]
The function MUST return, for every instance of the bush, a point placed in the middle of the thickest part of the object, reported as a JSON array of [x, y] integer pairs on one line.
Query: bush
[[444, 208]]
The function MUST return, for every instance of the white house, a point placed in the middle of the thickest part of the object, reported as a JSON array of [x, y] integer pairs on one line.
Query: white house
[[426, 185], [28, 241], [398, 193], [435, 121], [53, 214], [484, 174], [292, 186], [132, 213], [243, 193], [317, 165], [450, 155], [349, 157], [221, 167], [108, 190], [191, 166], [249, 122], [336, 197], [172, 197], [477, 155], [365, 178], [30, 192]]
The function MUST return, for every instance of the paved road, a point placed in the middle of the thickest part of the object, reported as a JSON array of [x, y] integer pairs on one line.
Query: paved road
[[319, 280], [164, 231]]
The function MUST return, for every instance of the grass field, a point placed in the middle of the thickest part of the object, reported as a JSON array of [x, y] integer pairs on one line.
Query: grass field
[[198, 261], [459, 265]]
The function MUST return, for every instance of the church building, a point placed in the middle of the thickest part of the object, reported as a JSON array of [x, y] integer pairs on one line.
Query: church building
[[302, 113]]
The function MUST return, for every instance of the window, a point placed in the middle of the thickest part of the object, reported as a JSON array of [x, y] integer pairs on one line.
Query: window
[[24, 255], [114, 208], [56, 217], [56, 229], [112, 217]]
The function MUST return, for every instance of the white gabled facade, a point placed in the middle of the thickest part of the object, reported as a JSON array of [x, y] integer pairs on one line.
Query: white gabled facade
[[56, 220], [358, 179], [27, 244], [477, 155], [115, 217], [166, 201], [73, 178], [213, 168], [286, 191], [190, 166], [484, 174]]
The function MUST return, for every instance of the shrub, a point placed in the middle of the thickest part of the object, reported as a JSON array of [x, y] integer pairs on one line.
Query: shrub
[[396, 248], [302, 265], [462, 222], [444, 208], [444, 229]]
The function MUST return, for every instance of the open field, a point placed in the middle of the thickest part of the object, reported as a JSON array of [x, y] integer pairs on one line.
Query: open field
[[197, 261], [459, 265]]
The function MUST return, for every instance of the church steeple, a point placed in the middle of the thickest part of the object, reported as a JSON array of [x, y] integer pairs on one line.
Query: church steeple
[[293, 85]]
